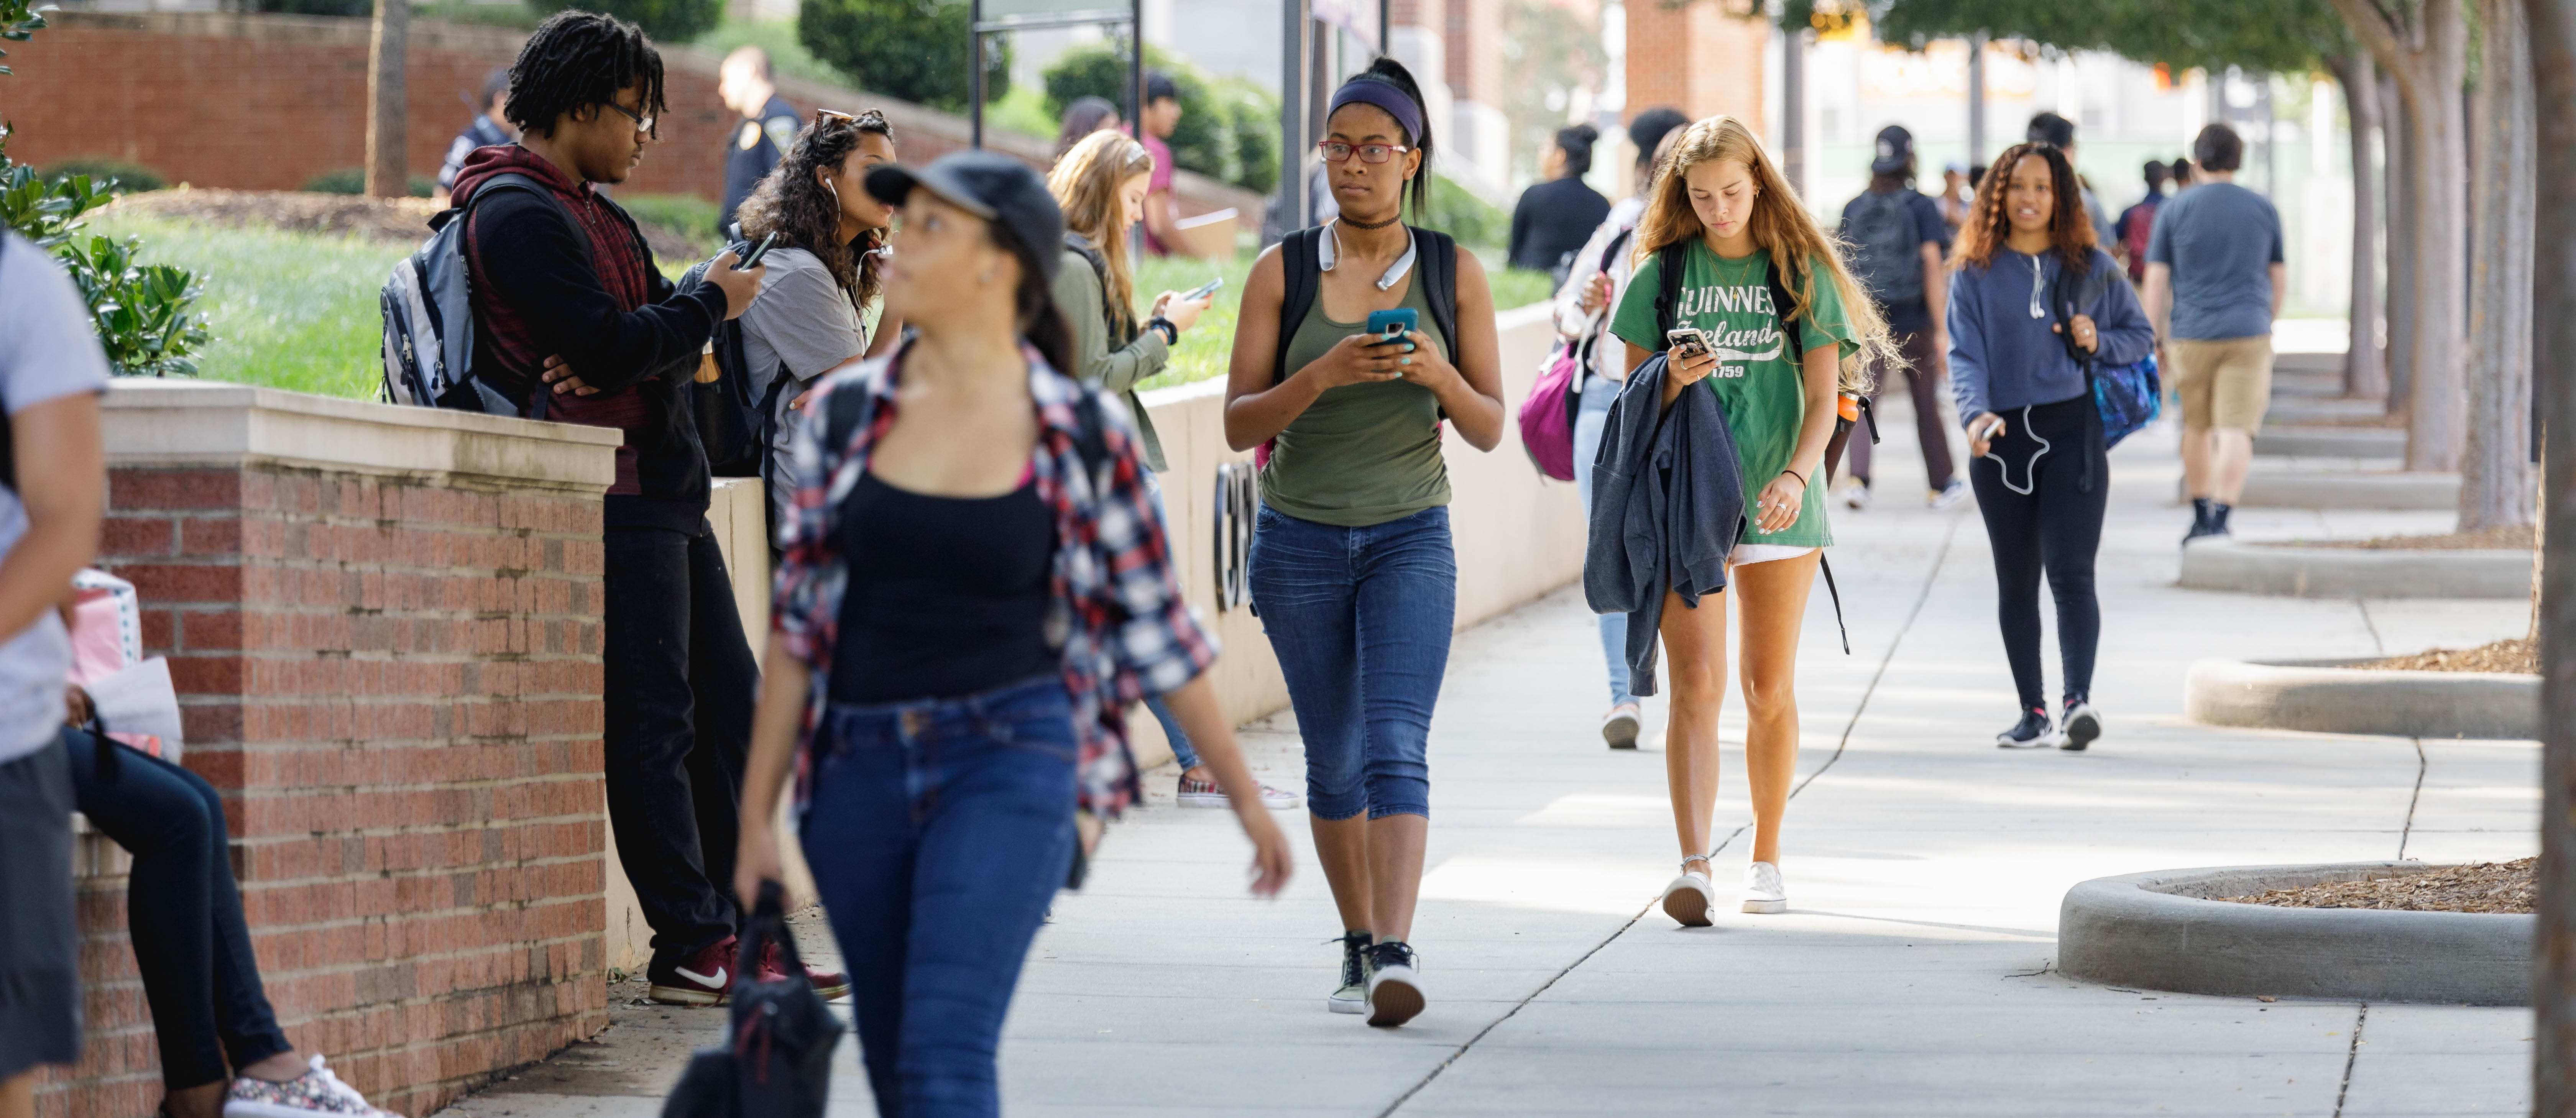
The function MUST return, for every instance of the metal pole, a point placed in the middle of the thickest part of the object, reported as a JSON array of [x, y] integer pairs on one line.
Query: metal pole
[[1977, 100], [1793, 108], [975, 74], [1292, 114], [1385, 45], [1136, 66], [2271, 164], [2553, 994]]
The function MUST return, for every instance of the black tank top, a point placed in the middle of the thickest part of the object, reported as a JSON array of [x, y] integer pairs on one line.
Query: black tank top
[[948, 596]]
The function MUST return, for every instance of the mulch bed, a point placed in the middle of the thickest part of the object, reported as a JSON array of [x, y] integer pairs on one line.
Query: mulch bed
[[2520, 655], [2494, 539], [388, 220], [2484, 887]]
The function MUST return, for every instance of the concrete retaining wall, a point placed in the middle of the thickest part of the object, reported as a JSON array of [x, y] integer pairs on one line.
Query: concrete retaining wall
[[2350, 489], [2349, 572], [2160, 931], [2331, 442], [2319, 696]]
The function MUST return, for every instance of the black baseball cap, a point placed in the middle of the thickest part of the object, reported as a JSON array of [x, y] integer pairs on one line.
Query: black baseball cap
[[1895, 150], [997, 188]]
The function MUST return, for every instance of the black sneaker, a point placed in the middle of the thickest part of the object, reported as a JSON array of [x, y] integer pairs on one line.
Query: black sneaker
[[2029, 733], [2204, 521], [1394, 986], [1352, 996], [2077, 728]]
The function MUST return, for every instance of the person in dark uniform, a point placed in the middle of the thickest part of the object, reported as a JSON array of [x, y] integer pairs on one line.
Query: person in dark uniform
[[767, 129], [490, 127]]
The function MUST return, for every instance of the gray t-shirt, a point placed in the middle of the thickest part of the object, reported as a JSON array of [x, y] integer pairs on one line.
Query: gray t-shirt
[[803, 321], [47, 352], [2221, 240]]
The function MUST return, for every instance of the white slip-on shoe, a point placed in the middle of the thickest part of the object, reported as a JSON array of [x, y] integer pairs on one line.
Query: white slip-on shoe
[[1691, 899], [1763, 890], [1352, 995], [1619, 727], [1394, 984]]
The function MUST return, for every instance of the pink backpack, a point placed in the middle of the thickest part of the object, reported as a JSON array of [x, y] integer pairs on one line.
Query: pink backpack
[[1547, 417]]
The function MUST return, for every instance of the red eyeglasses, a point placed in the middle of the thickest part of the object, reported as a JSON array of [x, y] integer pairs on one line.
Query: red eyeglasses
[[1335, 151]]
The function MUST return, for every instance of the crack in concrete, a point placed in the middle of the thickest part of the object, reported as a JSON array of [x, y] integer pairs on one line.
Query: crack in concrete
[[2351, 1055]]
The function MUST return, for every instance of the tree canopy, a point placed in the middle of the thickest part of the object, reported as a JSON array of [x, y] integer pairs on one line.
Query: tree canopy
[[2260, 35]]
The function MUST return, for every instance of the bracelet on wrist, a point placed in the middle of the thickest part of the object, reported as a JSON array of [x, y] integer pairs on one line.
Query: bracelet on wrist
[[1802, 478], [1171, 333]]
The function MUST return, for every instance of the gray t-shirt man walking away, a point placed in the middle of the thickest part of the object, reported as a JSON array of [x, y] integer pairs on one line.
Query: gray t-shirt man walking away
[[2214, 281]]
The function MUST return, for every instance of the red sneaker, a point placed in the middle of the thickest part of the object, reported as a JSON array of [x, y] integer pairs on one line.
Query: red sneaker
[[704, 978], [828, 984]]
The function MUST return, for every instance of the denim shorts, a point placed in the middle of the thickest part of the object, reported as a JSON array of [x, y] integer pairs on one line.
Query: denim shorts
[[1360, 619]]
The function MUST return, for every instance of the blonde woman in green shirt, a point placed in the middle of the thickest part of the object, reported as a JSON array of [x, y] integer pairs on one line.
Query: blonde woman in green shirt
[[1720, 205]]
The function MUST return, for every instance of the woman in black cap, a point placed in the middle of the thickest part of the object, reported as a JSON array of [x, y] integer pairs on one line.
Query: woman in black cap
[[1351, 563], [976, 586]]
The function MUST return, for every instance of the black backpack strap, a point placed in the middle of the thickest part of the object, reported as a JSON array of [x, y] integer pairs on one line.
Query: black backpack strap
[[1303, 279], [2071, 286], [1669, 261], [1827, 566], [1437, 255], [1780, 310]]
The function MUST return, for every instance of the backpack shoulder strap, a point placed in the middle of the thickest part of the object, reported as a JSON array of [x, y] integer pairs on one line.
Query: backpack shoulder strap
[[1780, 309], [1438, 259], [1090, 252], [1303, 278], [1669, 262]]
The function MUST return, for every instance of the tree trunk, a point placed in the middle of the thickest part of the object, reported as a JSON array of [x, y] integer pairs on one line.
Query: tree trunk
[[2364, 374], [387, 177], [2553, 995], [2399, 297], [2495, 474]]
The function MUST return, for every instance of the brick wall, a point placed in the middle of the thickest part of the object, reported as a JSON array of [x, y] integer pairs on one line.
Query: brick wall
[[1703, 58], [393, 677]]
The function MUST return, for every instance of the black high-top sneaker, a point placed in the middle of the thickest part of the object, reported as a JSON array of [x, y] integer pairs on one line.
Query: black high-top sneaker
[[1352, 995], [2029, 733], [2218, 519], [2203, 520]]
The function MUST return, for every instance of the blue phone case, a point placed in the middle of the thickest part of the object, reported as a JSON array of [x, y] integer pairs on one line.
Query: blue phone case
[[1403, 318]]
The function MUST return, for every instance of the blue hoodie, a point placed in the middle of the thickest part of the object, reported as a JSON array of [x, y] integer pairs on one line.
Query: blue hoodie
[[2001, 357]]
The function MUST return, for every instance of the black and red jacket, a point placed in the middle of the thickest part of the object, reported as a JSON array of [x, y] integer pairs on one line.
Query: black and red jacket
[[592, 295]]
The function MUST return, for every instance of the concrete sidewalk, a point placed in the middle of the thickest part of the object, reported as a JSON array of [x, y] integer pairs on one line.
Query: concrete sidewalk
[[1913, 974]]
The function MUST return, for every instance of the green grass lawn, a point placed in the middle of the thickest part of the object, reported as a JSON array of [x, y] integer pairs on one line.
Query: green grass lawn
[[298, 310]]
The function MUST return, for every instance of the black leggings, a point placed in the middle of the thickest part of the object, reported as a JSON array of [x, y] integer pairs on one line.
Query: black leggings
[[2056, 527]]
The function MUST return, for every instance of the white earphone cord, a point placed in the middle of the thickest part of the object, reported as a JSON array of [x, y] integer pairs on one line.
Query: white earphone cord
[[2030, 471]]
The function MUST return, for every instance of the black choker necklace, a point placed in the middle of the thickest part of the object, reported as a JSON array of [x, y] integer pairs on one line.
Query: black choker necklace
[[1348, 220]]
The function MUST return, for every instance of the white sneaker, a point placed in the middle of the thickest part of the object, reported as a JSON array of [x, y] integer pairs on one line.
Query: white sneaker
[[1205, 793], [1691, 899], [1394, 984], [1947, 495], [1619, 727], [2077, 728], [1855, 494], [1763, 890], [315, 1094]]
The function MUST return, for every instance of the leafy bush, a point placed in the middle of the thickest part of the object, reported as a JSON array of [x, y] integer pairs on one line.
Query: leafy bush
[[1457, 211], [670, 21], [686, 216], [909, 49], [143, 313], [117, 175], [353, 180], [1254, 112], [1229, 128]]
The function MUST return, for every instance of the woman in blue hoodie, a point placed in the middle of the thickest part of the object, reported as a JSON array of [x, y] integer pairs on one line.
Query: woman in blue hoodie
[[2030, 289]]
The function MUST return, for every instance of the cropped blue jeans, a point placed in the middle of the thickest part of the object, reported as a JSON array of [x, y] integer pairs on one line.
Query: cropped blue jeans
[[938, 832], [1360, 619]]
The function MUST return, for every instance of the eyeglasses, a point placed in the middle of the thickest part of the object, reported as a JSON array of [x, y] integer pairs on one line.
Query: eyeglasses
[[642, 123], [1335, 151]]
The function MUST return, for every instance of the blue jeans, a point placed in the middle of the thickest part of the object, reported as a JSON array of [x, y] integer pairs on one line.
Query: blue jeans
[[1162, 712], [938, 832], [1598, 394], [1360, 619], [183, 910]]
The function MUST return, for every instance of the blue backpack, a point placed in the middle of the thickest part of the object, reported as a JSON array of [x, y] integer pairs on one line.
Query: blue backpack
[[2125, 397]]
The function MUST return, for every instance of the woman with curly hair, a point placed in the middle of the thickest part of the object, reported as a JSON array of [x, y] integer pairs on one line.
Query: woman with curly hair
[[2028, 290], [1786, 329], [824, 271]]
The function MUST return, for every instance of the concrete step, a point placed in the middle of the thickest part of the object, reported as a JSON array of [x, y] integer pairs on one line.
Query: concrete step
[[2308, 363], [2224, 563], [2331, 442], [2299, 383], [2312, 488], [2304, 409]]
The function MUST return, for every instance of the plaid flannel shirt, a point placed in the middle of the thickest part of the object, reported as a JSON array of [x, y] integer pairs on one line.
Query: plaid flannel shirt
[[1128, 632]]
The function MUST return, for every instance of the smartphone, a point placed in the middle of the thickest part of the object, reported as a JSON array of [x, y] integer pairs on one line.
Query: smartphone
[[1689, 339], [1988, 434], [1205, 289], [1391, 325], [751, 259]]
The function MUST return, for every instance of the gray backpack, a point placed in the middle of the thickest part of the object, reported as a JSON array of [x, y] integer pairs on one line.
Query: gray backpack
[[428, 309], [1887, 255]]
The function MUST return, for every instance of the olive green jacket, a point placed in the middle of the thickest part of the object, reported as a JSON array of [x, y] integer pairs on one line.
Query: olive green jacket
[[1139, 353]]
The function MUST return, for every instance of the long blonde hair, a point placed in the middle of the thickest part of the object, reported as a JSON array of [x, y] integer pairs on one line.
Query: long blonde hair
[[1085, 184], [1780, 224]]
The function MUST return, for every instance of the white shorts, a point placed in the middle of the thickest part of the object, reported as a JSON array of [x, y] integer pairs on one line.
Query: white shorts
[[1749, 553]]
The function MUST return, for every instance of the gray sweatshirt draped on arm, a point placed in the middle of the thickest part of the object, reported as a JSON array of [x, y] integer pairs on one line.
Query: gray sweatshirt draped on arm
[[1667, 508]]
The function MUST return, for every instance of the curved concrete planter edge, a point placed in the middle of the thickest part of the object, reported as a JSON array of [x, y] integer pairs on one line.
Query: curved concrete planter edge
[[2340, 572], [2317, 696]]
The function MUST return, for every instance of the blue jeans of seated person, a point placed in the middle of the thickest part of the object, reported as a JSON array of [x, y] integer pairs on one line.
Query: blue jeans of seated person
[[1589, 419], [1360, 619], [184, 912], [1162, 712], [938, 831]]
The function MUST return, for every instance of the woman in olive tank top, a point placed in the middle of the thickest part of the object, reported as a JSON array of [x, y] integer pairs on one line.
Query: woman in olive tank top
[[1353, 536]]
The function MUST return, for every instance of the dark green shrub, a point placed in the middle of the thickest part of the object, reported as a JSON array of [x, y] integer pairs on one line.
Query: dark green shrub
[[144, 313], [353, 180], [1254, 113], [1455, 210], [686, 216], [909, 49], [668, 21], [1202, 142], [117, 175]]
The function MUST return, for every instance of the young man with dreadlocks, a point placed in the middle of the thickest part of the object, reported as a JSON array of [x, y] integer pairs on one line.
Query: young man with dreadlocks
[[575, 323]]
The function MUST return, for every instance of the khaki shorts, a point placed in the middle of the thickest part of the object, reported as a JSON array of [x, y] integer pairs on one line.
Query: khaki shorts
[[2223, 382]]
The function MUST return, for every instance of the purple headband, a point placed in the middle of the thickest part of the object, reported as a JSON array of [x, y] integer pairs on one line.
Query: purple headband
[[1384, 95]]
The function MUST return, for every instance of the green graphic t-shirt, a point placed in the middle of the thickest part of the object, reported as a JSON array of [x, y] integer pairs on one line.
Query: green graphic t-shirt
[[1757, 385]]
